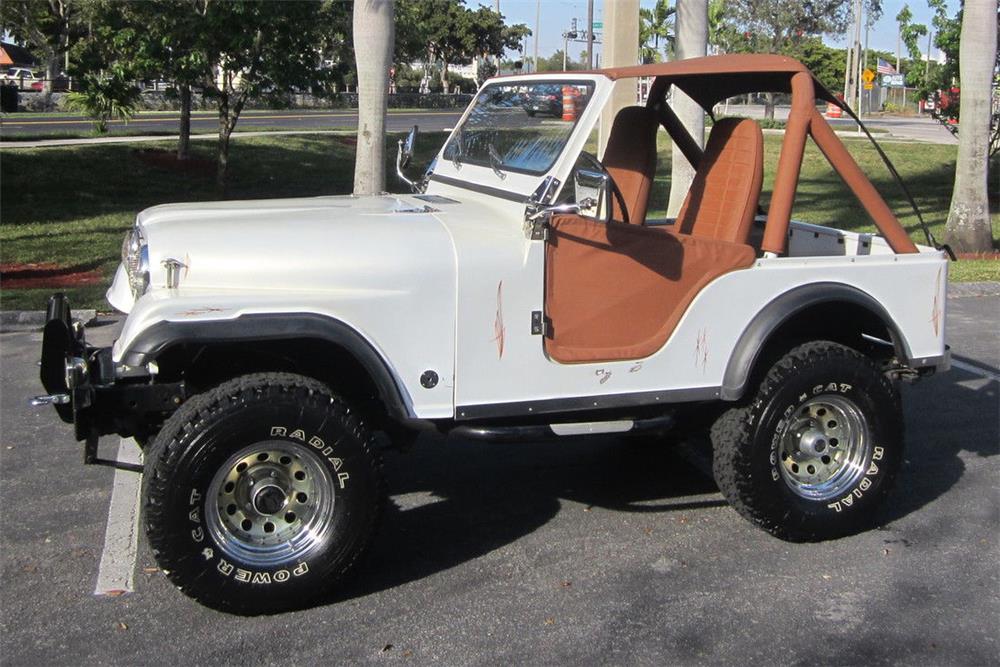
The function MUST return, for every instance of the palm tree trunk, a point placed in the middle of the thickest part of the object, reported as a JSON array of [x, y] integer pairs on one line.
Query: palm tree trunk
[[373, 28], [968, 226], [692, 41]]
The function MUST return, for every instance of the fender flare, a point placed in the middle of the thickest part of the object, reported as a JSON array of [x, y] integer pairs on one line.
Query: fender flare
[[153, 341], [783, 308]]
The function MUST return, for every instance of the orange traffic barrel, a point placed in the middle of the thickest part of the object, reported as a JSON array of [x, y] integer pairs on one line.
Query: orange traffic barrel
[[569, 103], [833, 110]]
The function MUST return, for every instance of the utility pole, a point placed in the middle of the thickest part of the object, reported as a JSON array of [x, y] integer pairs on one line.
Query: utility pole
[[868, 94], [621, 48], [496, 59], [859, 12], [692, 42], [849, 58], [927, 66], [590, 34], [899, 69], [538, 29]]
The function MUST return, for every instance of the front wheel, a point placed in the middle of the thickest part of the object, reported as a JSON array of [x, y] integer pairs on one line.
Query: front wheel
[[262, 493], [816, 449]]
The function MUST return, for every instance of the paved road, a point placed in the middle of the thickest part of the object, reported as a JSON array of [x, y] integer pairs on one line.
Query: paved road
[[11, 125], [576, 552], [910, 128], [917, 128]]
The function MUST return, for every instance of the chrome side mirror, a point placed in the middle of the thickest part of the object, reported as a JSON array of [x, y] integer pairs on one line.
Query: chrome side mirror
[[593, 194], [404, 154], [406, 148]]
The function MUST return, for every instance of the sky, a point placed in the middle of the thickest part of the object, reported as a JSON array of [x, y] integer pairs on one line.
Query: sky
[[557, 14]]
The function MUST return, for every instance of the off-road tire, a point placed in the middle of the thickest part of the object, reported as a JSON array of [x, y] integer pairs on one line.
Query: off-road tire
[[751, 460], [275, 430]]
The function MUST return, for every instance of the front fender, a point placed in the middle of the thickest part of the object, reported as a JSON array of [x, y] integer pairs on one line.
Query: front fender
[[398, 335], [151, 342]]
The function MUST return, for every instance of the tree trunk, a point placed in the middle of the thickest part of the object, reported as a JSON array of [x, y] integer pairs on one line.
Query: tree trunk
[[692, 41], [769, 106], [968, 226], [444, 77], [222, 150], [373, 27], [184, 140], [51, 72]]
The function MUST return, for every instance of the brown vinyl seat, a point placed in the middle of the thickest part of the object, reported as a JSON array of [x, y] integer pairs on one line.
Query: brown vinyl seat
[[630, 160], [724, 194]]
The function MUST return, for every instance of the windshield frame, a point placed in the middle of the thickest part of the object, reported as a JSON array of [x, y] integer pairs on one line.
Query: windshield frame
[[443, 175], [457, 139]]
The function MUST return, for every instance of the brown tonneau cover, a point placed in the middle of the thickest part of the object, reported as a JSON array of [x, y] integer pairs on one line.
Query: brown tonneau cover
[[711, 79]]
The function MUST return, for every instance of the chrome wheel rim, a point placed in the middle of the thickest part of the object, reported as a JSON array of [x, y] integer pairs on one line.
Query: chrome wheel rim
[[269, 503], [824, 448]]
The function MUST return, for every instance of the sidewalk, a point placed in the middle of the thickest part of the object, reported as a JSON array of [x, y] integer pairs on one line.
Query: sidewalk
[[129, 139]]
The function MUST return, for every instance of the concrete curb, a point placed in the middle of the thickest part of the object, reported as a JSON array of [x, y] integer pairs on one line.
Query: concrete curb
[[974, 289], [33, 320]]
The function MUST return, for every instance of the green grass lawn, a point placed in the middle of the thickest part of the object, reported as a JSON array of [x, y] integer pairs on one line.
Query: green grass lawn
[[71, 206]]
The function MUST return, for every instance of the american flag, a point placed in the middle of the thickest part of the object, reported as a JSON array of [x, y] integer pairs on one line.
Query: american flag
[[884, 67]]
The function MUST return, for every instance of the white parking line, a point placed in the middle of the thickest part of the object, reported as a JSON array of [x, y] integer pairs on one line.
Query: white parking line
[[975, 370], [117, 571]]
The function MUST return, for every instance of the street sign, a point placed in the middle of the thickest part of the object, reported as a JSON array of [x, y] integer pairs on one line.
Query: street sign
[[868, 76], [893, 80], [598, 25], [869, 86]]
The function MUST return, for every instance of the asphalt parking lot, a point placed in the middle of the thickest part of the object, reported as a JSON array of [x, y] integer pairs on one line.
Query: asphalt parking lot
[[584, 551]]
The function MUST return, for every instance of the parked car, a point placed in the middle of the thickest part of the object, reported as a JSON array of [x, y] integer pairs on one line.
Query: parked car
[[23, 77], [545, 99], [520, 292]]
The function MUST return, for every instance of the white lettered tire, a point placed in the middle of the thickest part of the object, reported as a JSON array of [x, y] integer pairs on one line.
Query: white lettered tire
[[261, 494], [817, 447]]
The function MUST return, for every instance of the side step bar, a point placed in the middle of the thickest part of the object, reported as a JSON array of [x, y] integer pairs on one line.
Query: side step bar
[[532, 432]]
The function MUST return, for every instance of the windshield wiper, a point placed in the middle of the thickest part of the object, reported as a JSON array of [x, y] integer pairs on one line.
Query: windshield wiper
[[459, 149], [496, 162]]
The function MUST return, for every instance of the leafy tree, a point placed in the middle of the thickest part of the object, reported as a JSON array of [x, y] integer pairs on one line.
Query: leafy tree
[[776, 26], [447, 32], [656, 24], [46, 27], [826, 63], [909, 32], [148, 40], [254, 48]]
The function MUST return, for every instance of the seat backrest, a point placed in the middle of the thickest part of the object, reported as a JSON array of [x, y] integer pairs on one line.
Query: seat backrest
[[630, 160], [724, 194]]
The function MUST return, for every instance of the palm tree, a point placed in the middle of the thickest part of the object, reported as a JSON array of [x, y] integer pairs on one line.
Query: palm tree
[[374, 41], [968, 226], [692, 41], [656, 24]]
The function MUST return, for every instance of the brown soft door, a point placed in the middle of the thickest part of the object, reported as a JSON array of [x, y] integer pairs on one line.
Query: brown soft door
[[618, 291]]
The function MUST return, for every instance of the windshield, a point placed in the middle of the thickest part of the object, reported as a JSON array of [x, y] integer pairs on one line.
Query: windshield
[[519, 126]]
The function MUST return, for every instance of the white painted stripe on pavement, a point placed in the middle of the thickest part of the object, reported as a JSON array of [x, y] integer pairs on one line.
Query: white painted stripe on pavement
[[975, 370], [117, 571]]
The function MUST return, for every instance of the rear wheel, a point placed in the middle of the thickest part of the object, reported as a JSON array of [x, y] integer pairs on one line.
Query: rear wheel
[[816, 449], [261, 494]]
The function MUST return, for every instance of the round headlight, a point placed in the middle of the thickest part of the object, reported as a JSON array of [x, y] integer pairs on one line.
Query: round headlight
[[135, 259]]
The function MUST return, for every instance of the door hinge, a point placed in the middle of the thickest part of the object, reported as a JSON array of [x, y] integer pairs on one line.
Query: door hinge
[[537, 227], [539, 324]]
